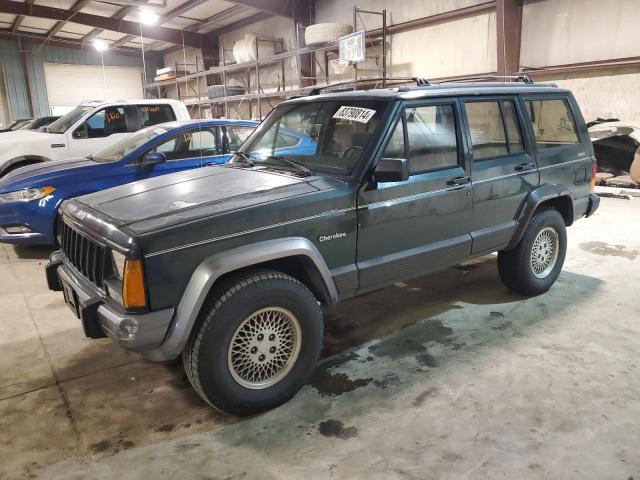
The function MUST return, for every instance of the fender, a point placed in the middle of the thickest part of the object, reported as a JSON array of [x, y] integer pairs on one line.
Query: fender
[[214, 267], [27, 159], [532, 201]]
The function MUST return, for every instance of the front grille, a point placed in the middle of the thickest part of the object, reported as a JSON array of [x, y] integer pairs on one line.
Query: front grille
[[85, 255]]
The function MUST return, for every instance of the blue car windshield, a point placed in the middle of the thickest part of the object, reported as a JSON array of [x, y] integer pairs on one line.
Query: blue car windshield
[[323, 136], [118, 150], [66, 121]]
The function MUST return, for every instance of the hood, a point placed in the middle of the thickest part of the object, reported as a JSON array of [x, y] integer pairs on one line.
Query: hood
[[44, 173], [27, 136], [168, 200]]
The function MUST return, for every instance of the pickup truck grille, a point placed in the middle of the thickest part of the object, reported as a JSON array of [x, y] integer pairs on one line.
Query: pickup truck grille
[[85, 255]]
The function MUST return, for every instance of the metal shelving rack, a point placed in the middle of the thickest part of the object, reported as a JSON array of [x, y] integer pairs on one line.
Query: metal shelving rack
[[259, 95]]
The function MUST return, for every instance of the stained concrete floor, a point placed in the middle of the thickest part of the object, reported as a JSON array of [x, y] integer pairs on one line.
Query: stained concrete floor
[[448, 376]]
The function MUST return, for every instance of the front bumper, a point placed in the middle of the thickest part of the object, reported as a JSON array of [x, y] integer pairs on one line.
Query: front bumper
[[38, 219], [99, 315]]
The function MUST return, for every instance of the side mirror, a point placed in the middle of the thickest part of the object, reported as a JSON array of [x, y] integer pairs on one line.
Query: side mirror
[[153, 158], [391, 170]]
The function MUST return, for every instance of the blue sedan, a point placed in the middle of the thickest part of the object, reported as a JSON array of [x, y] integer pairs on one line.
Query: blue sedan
[[30, 196]]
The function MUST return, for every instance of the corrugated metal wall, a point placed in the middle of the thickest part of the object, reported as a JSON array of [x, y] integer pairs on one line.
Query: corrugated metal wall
[[11, 56]]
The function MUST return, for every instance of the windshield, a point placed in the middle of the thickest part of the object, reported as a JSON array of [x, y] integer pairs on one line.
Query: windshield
[[118, 150], [323, 136], [66, 121]]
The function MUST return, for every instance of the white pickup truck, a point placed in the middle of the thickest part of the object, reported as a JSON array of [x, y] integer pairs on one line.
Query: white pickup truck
[[85, 130]]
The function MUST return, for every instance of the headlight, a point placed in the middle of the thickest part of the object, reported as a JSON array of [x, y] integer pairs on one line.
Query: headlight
[[27, 195], [118, 264]]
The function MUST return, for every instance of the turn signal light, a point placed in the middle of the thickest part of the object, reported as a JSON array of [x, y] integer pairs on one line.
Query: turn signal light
[[133, 295], [594, 170]]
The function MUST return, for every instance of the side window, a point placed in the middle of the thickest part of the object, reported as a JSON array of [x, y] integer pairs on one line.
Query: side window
[[154, 114], [103, 123], [189, 144], [395, 147], [432, 139], [487, 130], [552, 123], [514, 133], [236, 136]]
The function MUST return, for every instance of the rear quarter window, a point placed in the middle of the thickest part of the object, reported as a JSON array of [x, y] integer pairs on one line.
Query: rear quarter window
[[552, 123], [153, 114]]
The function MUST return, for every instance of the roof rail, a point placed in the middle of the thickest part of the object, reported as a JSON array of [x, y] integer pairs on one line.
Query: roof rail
[[520, 77], [419, 81]]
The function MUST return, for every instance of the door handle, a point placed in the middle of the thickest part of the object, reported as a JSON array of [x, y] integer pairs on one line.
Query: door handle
[[459, 181], [523, 167]]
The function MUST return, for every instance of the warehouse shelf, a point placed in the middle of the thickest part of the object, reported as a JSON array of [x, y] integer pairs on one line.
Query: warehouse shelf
[[256, 90]]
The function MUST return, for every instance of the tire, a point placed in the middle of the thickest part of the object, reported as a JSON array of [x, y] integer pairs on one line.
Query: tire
[[322, 33], [236, 315], [530, 272]]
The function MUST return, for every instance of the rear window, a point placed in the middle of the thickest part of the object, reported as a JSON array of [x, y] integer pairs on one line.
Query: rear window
[[552, 122], [153, 114]]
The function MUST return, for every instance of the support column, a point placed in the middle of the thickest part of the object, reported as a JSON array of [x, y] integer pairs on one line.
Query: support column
[[304, 14], [508, 30]]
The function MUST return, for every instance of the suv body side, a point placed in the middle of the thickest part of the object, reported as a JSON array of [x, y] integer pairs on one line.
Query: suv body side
[[365, 235]]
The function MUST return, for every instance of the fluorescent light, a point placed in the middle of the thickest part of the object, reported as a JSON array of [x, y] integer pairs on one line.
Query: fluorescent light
[[147, 17], [100, 45]]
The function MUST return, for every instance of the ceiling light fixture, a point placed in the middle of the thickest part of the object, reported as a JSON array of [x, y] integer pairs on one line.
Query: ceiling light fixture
[[100, 45], [147, 17]]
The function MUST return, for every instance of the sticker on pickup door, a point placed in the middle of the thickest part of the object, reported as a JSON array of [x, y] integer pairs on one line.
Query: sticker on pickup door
[[357, 114]]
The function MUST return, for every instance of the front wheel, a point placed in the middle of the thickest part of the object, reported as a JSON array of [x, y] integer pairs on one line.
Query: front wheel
[[535, 264], [256, 345]]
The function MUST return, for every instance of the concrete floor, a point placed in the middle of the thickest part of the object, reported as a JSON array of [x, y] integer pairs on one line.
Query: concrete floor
[[449, 376]]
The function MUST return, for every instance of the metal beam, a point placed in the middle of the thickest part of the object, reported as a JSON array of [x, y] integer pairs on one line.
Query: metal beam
[[123, 26], [214, 18], [437, 19], [18, 21], [610, 66], [120, 14], [64, 42], [508, 31], [76, 7], [283, 8], [241, 23]]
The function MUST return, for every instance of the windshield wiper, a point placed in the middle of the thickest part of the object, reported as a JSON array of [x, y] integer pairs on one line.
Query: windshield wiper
[[246, 159], [299, 166]]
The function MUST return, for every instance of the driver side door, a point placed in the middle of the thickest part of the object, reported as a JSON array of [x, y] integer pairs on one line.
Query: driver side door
[[105, 127], [410, 228]]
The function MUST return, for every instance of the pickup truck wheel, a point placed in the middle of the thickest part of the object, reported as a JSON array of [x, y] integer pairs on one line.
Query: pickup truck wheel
[[256, 344], [534, 265]]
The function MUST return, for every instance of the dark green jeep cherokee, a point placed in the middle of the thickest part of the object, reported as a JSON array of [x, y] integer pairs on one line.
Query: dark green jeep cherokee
[[229, 266]]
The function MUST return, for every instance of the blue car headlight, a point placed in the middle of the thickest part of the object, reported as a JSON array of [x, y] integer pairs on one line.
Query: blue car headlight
[[26, 195]]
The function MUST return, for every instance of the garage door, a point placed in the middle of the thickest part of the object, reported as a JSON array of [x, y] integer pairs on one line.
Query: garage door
[[68, 85]]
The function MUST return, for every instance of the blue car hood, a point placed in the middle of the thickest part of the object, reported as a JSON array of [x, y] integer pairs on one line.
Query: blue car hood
[[43, 173]]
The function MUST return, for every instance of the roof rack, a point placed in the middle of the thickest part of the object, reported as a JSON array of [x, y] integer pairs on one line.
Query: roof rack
[[419, 81], [520, 77]]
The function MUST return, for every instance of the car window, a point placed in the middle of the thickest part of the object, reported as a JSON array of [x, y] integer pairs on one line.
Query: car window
[[153, 114], [328, 136], [116, 151], [431, 133], [487, 129], [189, 144], [103, 123], [395, 146], [514, 132], [62, 124], [236, 136], [552, 122]]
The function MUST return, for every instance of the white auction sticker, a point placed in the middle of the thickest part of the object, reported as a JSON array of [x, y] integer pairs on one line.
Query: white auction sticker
[[357, 114]]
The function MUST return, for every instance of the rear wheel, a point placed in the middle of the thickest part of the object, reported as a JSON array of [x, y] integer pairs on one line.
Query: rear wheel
[[535, 264], [256, 345]]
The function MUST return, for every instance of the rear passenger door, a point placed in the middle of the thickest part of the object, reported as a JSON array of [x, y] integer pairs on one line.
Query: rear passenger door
[[407, 229], [504, 169]]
